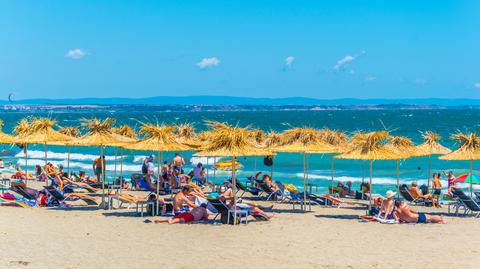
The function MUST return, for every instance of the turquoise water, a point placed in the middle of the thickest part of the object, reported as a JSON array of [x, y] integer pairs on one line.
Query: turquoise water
[[288, 166]]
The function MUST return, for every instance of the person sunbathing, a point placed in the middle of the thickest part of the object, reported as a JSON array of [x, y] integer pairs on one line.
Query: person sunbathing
[[182, 201], [61, 179], [197, 214], [405, 214], [387, 206], [268, 180], [417, 193], [19, 174], [251, 206]]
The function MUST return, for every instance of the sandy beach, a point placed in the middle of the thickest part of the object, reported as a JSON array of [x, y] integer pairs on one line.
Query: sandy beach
[[86, 237]]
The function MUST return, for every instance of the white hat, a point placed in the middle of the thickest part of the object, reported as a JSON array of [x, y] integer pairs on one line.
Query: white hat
[[390, 194]]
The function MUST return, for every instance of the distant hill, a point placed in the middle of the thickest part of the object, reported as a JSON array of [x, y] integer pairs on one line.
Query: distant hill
[[231, 100]]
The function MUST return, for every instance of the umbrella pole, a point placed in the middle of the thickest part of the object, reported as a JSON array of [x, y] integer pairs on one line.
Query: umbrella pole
[[271, 168], [234, 188], [115, 166], [206, 169], [68, 161], [332, 167], [429, 171], [471, 177], [103, 177], [158, 181], [398, 178], [254, 165], [121, 169], [363, 175], [304, 181], [26, 164], [46, 161], [214, 172], [370, 187]]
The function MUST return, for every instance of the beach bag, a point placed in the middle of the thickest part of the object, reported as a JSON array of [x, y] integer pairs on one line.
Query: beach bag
[[225, 220], [268, 161]]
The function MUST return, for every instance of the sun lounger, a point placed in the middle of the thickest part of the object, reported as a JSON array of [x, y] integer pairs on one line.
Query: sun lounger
[[124, 198], [222, 208], [243, 189], [7, 199], [61, 198], [405, 193], [471, 207], [271, 194]]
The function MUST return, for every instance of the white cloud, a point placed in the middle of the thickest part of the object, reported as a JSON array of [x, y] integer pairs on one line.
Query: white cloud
[[477, 85], [370, 78], [75, 54], [289, 61], [345, 60], [208, 62]]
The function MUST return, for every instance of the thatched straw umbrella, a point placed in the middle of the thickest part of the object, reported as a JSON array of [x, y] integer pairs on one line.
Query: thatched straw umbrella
[[157, 138], [41, 132], [22, 129], [429, 147], [100, 134], [469, 150], [231, 141], [272, 140], [303, 140], [5, 138], [73, 132], [258, 137], [125, 131], [404, 148], [370, 147]]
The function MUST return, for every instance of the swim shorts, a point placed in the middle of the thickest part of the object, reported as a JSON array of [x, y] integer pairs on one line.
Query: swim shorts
[[422, 218], [185, 216]]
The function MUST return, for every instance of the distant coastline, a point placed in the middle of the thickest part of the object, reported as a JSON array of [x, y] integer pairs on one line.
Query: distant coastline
[[226, 103]]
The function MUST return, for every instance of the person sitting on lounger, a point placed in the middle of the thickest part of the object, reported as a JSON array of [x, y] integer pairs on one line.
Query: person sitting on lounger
[[387, 206], [197, 214], [19, 174], [182, 202], [404, 213], [417, 193], [251, 206], [268, 180]]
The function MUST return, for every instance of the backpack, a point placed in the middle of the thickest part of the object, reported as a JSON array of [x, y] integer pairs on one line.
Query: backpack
[[268, 161], [224, 218]]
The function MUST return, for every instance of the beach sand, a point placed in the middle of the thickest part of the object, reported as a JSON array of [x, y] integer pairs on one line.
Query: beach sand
[[86, 237]]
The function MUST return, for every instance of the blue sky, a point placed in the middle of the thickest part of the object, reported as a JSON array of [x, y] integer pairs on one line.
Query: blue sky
[[320, 49]]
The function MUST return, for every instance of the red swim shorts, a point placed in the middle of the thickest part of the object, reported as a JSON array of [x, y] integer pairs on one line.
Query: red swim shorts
[[186, 217]]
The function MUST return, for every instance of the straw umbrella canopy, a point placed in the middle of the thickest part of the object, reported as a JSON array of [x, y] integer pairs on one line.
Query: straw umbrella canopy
[[369, 146], [231, 141], [303, 140], [41, 132], [403, 147], [258, 137], [125, 131], [157, 138], [5, 138], [429, 147], [73, 132], [185, 134], [100, 134], [21, 130], [469, 150]]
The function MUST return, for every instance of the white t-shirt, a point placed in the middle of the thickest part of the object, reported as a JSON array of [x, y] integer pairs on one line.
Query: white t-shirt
[[151, 168]]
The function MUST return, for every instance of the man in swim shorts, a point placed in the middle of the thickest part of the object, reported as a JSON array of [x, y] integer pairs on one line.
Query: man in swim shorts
[[197, 214], [405, 214]]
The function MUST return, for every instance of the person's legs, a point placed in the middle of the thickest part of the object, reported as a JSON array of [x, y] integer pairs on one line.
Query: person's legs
[[435, 219]]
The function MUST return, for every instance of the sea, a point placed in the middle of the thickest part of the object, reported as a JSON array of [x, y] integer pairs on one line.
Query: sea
[[288, 167]]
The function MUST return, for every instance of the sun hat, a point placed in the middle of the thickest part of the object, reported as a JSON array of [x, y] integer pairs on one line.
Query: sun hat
[[390, 194]]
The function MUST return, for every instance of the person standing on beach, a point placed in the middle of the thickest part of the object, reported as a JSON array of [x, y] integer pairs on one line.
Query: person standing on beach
[[98, 165], [178, 162], [436, 187]]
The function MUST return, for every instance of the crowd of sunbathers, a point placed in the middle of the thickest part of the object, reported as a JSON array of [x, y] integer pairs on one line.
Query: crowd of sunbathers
[[395, 210]]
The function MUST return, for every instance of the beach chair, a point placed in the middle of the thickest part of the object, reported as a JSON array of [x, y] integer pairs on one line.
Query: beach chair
[[243, 189], [70, 197], [471, 207], [271, 194], [125, 198], [405, 193], [222, 208]]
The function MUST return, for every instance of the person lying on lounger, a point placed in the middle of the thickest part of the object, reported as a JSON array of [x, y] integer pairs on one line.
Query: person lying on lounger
[[19, 174], [417, 193], [404, 213], [197, 214], [227, 196], [268, 180], [21, 184], [61, 179]]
